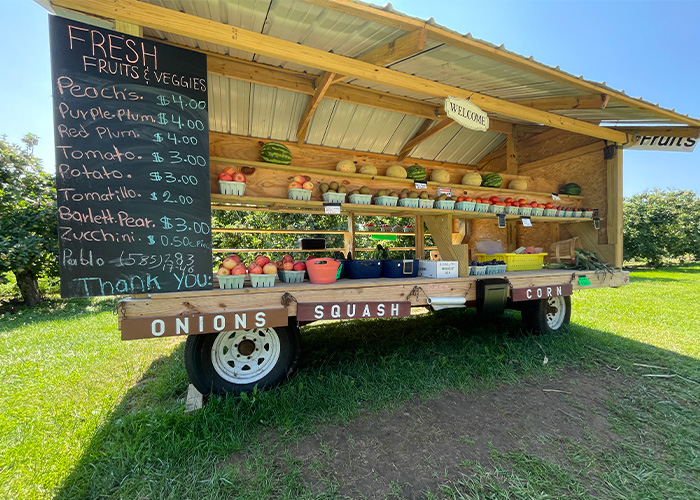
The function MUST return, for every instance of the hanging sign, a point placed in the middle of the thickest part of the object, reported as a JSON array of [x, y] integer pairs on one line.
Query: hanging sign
[[661, 143], [467, 114]]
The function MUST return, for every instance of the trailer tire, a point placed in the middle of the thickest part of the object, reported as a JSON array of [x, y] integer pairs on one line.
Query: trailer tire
[[547, 315], [233, 362]]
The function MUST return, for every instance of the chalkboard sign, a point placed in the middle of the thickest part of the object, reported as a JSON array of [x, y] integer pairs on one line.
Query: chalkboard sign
[[132, 163]]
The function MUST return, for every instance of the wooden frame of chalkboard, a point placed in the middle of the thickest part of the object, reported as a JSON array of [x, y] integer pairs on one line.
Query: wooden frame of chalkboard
[[132, 163]]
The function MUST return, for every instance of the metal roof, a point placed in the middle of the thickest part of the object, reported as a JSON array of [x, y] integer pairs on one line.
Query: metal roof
[[257, 110]]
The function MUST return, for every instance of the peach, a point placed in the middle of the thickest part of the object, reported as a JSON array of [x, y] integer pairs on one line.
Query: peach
[[287, 265], [239, 177], [231, 261], [223, 176], [295, 185], [230, 171], [308, 185], [299, 179], [270, 268], [223, 271]]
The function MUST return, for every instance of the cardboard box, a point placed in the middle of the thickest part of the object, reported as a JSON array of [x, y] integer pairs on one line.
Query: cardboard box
[[438, 268]]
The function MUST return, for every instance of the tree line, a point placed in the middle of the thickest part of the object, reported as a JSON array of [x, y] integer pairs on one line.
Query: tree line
[[658, 225]]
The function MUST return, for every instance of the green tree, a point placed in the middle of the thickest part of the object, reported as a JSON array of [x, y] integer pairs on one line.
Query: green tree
[[662, 224], [28, 224]]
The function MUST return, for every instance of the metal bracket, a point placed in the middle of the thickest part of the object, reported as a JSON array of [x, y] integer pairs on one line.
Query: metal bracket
[[287, 299], [416, 291]]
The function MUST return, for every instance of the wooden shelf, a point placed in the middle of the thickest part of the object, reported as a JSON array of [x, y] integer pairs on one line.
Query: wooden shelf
[[394, 180], [228, 202]]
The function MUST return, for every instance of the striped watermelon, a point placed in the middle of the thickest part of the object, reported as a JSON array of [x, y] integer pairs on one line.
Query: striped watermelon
[[416, 172], [274, 152], [491, 180]]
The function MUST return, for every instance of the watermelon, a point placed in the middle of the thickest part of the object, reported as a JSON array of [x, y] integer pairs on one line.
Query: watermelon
[[491, 180], [571, 188], [274, 152], [416, 172]]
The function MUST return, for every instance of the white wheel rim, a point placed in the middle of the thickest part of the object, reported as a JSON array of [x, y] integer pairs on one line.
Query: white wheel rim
[[556, 312], [245, 356]]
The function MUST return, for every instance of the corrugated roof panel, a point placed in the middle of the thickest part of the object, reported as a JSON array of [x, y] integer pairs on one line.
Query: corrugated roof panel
[[469, 146], [219, 118], [430, 148], [404, 132], [319, 122], [379, 130]]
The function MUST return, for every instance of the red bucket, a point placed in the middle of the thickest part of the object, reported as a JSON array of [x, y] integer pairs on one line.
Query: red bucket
[[322, 271]]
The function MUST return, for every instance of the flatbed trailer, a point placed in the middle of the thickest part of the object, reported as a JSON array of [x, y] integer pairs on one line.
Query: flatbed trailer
[[153, 103]]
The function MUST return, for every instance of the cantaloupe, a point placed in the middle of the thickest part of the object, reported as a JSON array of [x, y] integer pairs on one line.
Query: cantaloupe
[[440, 176], [368, 169], [518, 184], [346, 166], [472, 179], [396, 171]]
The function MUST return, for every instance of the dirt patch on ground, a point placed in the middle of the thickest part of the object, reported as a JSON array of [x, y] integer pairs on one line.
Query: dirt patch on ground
[[415, 448]]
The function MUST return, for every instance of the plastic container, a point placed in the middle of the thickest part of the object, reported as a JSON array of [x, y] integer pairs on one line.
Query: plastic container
[[512, 210], [408, 202], [409, 229], [299, 194], [232, 188], [291, 276], [386, 201], [361, 269], [587, 213], [497, 209], [577, 213], [361, 199], [334, 197], [568, 213], [477, 270], [525, 210], [465, 205], [496, 268], [231, 282], [445, 204], [323, 271], [481, 207], [550, 212], [516, 261], [425, 203], [262, 280], [536, 211], [396, 268]]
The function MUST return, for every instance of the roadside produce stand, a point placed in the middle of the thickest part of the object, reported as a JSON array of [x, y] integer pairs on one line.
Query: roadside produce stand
[[165, 113]]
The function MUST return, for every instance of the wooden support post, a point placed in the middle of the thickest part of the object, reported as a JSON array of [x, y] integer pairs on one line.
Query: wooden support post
[[420, 237], [614, 212], [440, 227], [511, 235], [512, 153], [349, 236]]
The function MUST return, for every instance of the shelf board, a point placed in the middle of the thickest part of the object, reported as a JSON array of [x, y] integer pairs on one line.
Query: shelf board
[[407, 182], [228, 202]]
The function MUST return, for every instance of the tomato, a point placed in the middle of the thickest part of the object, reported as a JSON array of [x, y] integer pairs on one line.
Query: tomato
[[533, 204], [541, 205], [478, 200], [548, 206], [467, 198], [508, 200], [501, 203], [522, 200], [494, 199]]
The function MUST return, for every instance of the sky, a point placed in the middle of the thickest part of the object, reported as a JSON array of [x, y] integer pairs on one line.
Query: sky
[[648, 48]]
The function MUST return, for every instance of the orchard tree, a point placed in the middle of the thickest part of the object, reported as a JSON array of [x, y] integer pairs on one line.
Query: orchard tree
[[28, 225], [662, 224]]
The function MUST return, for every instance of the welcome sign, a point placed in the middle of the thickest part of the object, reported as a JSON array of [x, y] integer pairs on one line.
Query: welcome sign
[[467, 114]]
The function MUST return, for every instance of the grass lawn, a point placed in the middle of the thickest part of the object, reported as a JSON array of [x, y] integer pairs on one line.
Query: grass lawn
[[85, 415]]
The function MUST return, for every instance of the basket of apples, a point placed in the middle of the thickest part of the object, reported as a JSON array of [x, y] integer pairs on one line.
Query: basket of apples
[[262, 272], [231, 273], [232, 182], [291, 271], [300, 188]]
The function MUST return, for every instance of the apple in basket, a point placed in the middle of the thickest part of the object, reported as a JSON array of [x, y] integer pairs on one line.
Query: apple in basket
[[231, 261], [239, 269], [287, 265], [287, 258], [253, 268], [269, 268], [299, 266], [239, 177], [223, 176], [261, 260], [223, 271]]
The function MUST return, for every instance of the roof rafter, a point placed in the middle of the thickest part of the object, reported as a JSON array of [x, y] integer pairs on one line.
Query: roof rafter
[[599, 101], [192, 26], [322, 84]]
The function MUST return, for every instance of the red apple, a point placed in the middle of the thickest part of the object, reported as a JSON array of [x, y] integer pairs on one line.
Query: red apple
[[239, 269], [288, 265], [269, 268], [261, 260], [230, 171], [223, 271], [308, 185], [295, 185], [299, 266], [253, 268], [301, 179], [231, 261], [239, 177], [223, 176], [287, 258]]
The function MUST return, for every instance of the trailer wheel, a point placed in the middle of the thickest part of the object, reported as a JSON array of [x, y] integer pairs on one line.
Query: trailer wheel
[[547, 315], [236, 361]]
